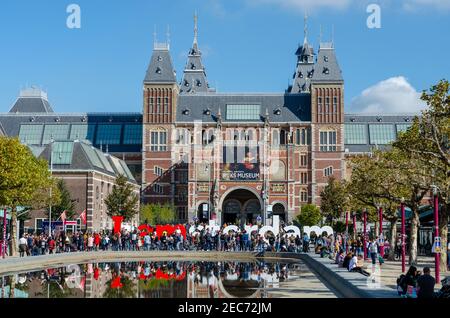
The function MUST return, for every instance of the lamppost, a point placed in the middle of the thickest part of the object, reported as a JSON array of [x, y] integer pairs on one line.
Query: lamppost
[[346, 231], [354, 225], [380, 215], [403, 235], [437, 256], [50, 205], [365, 232]]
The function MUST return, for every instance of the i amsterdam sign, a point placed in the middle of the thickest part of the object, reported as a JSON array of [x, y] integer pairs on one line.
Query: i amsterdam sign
[[240, 172]]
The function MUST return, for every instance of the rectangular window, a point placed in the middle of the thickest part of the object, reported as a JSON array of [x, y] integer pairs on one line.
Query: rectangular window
[[108, 134], [303, 160], [151, 105], [302, 136], [182, 214], [355, 134], [335, 104], [158, 171], [166, 105], [38, 226], [304, 178], [328, 141], [303, 196], [328, 172], [381, 134], [132, 135], [158, 141], [157, 188], [320, 102], [243, 112]]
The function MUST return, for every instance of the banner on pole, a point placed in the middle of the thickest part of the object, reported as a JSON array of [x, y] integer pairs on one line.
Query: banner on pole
[[437, 245]]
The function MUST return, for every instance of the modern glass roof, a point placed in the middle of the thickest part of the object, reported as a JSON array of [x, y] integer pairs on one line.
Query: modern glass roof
[[62, 153], [82, 132], [355, 134], [31, 134], [55, 132], [132, 134], [243, 112], [108, 134], [381, 134], [402, 127]]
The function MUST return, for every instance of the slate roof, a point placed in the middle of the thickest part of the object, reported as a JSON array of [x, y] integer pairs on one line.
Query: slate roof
[[327, 67], [160, 69], [85, 157], [293, 107], [31, 105]]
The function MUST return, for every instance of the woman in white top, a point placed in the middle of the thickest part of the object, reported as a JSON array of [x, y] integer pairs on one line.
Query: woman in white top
[[353, 266]]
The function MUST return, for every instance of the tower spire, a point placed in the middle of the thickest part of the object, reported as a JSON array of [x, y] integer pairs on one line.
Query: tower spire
[[195, 27], [306, 27]]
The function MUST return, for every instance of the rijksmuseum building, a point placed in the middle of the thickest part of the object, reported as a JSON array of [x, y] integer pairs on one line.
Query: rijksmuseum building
[[223, 156]]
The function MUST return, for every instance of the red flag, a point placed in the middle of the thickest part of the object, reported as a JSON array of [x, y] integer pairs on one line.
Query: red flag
[[83, 217], [63, 217]]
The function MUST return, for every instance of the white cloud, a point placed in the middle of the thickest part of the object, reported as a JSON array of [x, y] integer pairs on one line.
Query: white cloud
[[394, 95]]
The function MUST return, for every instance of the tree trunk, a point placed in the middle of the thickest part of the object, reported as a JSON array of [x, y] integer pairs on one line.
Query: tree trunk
[[13, 247], [392, 240], [443, 232], [415, 222]]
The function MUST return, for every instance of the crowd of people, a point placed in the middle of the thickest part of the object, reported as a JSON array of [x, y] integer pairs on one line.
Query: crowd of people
[[200, 240]]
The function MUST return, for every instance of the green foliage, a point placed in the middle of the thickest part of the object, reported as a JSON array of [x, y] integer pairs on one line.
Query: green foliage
[[122, 201], [157, 214], [309, 215], [334, 199], [339, 227], [65, 203], [128, 289], [24, 181]]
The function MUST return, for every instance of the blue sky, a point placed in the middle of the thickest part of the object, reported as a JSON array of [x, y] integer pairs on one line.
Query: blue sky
[[248, 45]]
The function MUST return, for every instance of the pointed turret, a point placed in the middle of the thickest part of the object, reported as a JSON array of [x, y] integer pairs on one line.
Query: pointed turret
[[194, 78], [160, 69], [305, 65]]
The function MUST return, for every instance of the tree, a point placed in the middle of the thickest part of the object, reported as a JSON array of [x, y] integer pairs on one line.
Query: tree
[[157, 214], [65, 202], [309, 215], [333, 199], [23, 179], [122, 201], [428, 140]]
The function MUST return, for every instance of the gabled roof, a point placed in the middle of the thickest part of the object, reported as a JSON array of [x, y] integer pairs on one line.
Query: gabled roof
[[160, 69], [75, 155]]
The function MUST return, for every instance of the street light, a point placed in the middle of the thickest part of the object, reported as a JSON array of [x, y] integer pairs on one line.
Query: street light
[[346, 231], [380, 215], [437, 256], [403, 235], [50, 205], [365, 231]]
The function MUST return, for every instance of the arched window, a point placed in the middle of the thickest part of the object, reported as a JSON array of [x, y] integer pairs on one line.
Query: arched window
[[275, 137]]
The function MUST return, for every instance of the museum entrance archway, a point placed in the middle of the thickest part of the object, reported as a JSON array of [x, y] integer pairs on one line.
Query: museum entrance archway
[[240, 207]]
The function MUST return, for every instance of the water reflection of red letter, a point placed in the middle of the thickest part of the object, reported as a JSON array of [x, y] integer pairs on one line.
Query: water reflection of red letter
[[116, 283]]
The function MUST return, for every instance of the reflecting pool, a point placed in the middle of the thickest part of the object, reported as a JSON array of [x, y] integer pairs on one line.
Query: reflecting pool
[[147, 279]]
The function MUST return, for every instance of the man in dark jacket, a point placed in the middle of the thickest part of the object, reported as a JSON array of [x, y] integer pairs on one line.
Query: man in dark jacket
[[425, 284]]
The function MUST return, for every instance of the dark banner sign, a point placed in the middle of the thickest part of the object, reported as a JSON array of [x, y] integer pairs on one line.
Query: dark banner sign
[[240, 172]]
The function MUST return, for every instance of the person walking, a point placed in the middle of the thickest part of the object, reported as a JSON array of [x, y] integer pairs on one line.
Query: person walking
[[22, 246], [373, 250], [425, 284]]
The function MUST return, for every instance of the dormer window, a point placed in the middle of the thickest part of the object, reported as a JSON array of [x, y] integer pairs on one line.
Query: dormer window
[[300, 74], [379, 119], [207, 112], [325, 58], [193, 66], [186, 83], [310, 74], [186, 112], [277, 112], [326, 70], [158, 70], [160, 58], [199, 83]]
